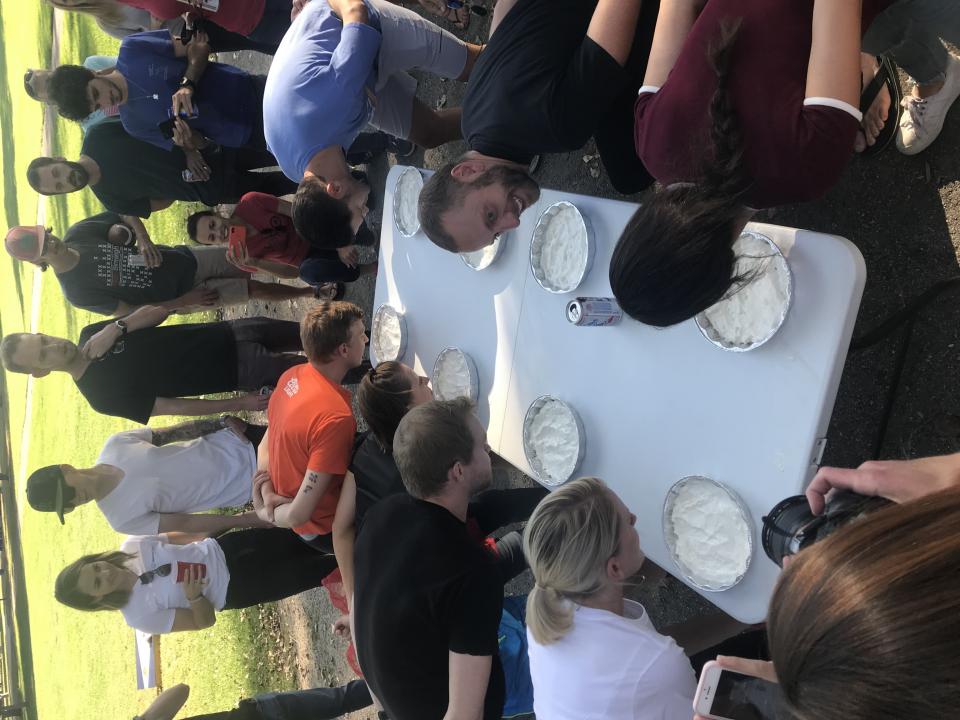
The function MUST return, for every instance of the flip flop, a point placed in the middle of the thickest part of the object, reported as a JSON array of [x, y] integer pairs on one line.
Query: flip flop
[[886, 76], [322, 292], [457, 13]]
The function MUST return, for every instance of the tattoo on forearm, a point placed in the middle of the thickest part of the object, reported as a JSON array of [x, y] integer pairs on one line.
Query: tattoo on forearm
[[186, 431], [310, 481]]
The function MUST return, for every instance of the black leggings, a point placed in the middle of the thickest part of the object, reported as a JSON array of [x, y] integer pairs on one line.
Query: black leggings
[[313, 704], [267, 564], [239, 166], [265, 350]]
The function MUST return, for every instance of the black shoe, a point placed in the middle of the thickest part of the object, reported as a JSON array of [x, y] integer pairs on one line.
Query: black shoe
[[401, 148]]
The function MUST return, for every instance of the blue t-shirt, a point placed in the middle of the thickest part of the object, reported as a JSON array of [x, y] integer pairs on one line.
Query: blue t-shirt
[[224, 95], [316, 89]]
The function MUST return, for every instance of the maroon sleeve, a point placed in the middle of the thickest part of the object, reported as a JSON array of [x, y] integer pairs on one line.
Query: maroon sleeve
[[823, 146], [641, 111]]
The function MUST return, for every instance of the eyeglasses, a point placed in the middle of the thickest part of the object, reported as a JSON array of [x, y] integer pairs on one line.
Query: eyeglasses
[[27, 77], [162, 571]]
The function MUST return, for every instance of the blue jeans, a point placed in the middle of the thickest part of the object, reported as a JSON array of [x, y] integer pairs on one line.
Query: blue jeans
[[911, 31]]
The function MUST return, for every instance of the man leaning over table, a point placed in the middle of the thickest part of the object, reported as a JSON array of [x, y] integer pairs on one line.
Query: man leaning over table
[[341, 65]]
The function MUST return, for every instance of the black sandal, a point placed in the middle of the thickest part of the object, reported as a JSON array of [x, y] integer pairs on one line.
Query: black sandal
[[886, 76], [339, 292]]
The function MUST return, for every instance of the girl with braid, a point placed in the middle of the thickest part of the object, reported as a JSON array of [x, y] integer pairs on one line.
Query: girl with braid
[[746, 104]]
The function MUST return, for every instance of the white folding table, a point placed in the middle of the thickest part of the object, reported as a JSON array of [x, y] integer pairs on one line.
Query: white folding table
[[657, 405]]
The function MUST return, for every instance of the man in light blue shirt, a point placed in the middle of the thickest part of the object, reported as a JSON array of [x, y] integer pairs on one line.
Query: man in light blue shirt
[[341, 65]]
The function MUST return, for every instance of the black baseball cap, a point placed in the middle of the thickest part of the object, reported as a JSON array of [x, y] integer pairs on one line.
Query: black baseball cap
[[47, 491]]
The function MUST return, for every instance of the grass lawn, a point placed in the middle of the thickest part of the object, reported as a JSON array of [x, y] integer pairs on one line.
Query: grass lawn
[[84, 663]]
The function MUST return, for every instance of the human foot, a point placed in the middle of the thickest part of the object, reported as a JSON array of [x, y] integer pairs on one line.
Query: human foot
[[925, 110], [876, 115]]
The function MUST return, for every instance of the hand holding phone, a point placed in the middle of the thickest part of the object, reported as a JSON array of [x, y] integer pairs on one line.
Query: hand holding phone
[[184, 568], [737, 689], [237, 253]]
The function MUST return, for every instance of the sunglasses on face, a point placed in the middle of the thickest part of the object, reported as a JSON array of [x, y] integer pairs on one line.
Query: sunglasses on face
[[28, 88]]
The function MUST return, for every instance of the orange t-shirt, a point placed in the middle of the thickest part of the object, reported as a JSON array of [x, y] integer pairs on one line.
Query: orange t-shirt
[[311, 427]]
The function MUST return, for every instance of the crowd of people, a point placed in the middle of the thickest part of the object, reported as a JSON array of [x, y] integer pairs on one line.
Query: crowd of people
[[729, 106]]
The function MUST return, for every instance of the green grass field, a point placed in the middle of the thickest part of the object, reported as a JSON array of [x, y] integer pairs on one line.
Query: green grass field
[[84, 663]]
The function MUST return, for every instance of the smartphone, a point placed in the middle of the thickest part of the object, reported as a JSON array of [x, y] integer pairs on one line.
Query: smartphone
[[184, 567], [727, 695], [185, 115], [237, 239]]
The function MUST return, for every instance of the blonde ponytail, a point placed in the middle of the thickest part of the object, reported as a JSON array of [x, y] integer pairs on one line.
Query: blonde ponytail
[[568, 540]]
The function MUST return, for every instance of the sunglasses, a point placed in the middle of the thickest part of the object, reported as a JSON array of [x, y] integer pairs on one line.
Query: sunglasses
[[28, 88]]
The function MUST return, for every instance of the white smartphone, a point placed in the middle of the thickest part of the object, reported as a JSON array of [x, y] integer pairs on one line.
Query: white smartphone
[[208, 5], [726, 695]]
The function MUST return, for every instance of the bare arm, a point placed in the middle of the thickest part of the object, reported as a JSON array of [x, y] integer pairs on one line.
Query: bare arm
[[201, 615], [188, 430], [200, 406], [345, 532], [674, 22], [205, 523], [612, 27], [350, 11], [298, 512], [469, 675], [167, 704], [175, 537], [281, 270], [263, 452], [99, 343], [834, 67], [157, 204]]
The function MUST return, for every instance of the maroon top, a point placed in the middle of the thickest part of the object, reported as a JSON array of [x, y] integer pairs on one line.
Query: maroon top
[[276, 238], [239, 16], [793, 152]]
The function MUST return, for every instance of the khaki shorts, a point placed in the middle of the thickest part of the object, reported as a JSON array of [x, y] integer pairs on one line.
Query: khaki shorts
[[215, 273], [408, 42]]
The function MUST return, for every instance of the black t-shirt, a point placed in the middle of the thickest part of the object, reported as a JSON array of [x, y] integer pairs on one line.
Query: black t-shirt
[[107, 274], [376, 474], [134, 172], [424, 589], [169, 361], [540, 85]]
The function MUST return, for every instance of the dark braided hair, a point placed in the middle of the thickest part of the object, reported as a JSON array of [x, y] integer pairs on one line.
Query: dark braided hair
[[675, 258]]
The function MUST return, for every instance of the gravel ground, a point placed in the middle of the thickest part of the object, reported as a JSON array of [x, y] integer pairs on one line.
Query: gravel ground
[[904, 215]]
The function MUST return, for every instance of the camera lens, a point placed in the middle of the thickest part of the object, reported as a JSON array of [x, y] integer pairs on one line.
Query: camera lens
[[782, 525]]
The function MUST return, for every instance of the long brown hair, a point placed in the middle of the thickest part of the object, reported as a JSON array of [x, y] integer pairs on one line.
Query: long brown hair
[[866, 624], [66, 591], [383, 398]]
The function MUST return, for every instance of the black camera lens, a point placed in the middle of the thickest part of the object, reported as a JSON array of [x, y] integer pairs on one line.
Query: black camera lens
[[790, 526]]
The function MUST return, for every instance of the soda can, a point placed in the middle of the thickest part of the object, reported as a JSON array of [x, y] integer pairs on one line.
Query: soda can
[[593, 312]]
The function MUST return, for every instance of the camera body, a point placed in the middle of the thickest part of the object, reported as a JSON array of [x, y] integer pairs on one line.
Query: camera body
[[791, 526]]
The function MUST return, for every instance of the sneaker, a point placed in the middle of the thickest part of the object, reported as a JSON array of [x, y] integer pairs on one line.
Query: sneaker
[[401, 148], [923, 118]]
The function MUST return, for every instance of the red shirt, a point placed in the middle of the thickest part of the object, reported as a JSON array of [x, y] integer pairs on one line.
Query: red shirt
[[239, 16], [793, 152], [311, 428], [276, 238]]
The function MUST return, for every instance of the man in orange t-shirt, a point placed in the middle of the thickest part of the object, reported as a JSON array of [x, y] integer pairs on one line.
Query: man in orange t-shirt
[[306, 450]]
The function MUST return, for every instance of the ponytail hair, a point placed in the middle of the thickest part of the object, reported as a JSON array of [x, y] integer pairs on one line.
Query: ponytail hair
[[568, 539], [675, 257]]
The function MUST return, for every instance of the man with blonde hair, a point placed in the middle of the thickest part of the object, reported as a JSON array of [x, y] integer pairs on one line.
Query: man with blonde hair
[[307, 448]]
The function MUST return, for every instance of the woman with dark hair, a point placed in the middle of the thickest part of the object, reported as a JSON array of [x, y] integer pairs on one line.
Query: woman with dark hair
[[866, 623], [385, 395], [178, 581], [271, 244], [746, 104]]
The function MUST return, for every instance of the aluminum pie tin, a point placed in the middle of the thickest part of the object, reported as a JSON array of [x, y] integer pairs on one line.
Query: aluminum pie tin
[[711, 334], [471, 368], [539, 238], [378, 319], [670, 539], [476, 261], [410, 172], [542, 476]]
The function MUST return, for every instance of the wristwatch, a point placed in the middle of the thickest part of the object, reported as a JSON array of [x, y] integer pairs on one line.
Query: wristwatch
[[122, 325], [186, 82]]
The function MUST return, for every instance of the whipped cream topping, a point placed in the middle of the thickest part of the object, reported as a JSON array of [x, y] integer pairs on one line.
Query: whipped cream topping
[[563, 253], [386, 332], [408, 190], [554, 440], [451, 376]]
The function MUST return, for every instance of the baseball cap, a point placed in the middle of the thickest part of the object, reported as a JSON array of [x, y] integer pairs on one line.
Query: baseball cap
[[25, 242], [47, 491]]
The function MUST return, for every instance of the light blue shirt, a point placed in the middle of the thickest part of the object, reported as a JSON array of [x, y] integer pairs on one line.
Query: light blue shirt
[[315, 95], [96, 63]]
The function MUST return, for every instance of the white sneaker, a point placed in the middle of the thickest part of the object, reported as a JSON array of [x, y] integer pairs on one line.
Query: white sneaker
[[922, 119]]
